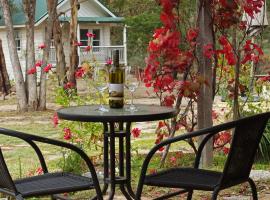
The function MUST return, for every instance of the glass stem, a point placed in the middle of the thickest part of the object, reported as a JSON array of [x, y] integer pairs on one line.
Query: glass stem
[[132, 98], [100, 99]]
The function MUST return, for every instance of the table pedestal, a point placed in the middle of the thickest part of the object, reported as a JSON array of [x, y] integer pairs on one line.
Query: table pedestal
[[113, 130]]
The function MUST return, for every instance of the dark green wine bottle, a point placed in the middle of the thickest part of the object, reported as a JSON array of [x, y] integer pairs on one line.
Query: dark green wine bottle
[[116, 83]]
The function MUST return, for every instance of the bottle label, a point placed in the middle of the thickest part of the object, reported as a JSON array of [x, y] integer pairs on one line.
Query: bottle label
[[116, 91]]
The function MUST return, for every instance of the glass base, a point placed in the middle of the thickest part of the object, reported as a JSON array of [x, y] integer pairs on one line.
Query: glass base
[[101, 108], [132, 108]]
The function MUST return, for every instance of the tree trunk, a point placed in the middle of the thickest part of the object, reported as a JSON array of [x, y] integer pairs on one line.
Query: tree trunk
[[205, 98], [15, 62], [4, 79], [31, 81], [51, 5], [74, 58], [236, 112], [60, 56]]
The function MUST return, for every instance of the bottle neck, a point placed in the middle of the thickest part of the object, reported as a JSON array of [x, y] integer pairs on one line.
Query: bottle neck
[[116, 58]]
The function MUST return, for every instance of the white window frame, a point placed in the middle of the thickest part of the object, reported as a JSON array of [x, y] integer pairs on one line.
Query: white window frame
[[18, 40], [91, 31]]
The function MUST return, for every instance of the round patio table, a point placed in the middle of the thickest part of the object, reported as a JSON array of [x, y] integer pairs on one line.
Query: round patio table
[[117, 124]]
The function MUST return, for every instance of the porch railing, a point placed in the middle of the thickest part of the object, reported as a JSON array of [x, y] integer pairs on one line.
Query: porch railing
[[100, 53]]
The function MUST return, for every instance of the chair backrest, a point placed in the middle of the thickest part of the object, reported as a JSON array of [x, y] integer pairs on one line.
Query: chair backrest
[[6, 181], [246, 138]]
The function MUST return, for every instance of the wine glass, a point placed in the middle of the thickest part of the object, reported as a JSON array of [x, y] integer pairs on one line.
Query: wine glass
[[132, 81], [100, 82]]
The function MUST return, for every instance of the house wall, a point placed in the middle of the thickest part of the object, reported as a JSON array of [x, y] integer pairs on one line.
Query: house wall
[[39, 38]]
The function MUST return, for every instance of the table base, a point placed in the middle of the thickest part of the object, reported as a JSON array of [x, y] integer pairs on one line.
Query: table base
[[113, 130]]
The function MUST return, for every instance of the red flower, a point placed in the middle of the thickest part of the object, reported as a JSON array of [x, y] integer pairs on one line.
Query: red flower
[[90, 35], [161, 149], [79, 73], [55, 120], [192, 34], [47, 68], [136, 132], [161, 124], [42, 46], [68, 134], [39, 63], [32, 70], [69, 85], [226, 150], [87, 49], [169, 100], [109, 61], [39, 171], [208, 51]]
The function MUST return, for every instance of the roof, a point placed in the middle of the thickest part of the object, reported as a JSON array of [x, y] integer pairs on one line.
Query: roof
[[41, 14], [95, 19]]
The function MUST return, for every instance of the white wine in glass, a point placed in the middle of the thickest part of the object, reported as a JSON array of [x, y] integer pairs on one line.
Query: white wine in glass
[[100, 82], [132, 82]]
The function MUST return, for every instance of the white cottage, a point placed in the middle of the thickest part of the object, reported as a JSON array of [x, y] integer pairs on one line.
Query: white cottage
[[93, 17]]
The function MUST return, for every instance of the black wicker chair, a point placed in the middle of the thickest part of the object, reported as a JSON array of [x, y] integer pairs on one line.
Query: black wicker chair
[[48, 183], [247, 134]]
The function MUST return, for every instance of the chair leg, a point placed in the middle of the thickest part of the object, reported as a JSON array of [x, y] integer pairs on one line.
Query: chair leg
[[215, 194], [253, 189], [190, 193]]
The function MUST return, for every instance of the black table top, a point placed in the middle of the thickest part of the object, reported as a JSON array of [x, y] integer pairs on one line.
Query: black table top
[[90, 113]]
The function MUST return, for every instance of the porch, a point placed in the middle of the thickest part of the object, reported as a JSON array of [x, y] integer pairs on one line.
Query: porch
[[99, 54]]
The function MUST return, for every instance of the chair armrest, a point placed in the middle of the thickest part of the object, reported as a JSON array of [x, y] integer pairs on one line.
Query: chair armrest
[[29, 138]]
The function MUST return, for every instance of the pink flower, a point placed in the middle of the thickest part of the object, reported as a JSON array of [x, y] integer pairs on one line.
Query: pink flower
[[55, 120], [39, 63], [109, 61], [76, 43], [42, 46], [32, 70], [90, 35], [47, 68], [87, 49], [39, 171], [136, 132], [68, 134]]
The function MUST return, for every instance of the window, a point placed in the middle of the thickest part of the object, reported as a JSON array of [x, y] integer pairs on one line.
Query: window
[[17, 40], [85, 40], [83, 37]]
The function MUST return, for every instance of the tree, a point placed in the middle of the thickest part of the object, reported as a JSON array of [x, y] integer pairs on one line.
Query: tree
[[4, 79], [60, 56], [205, 96], [31, 79], [74, 58], [51, 5], [18, 75]]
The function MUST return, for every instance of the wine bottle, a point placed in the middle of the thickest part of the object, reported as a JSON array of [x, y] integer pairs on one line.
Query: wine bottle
[[116, 83]]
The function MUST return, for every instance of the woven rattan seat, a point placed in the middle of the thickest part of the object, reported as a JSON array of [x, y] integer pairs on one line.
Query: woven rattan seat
[[52, 183], [48, 183], [184, 178], [246, 132]]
